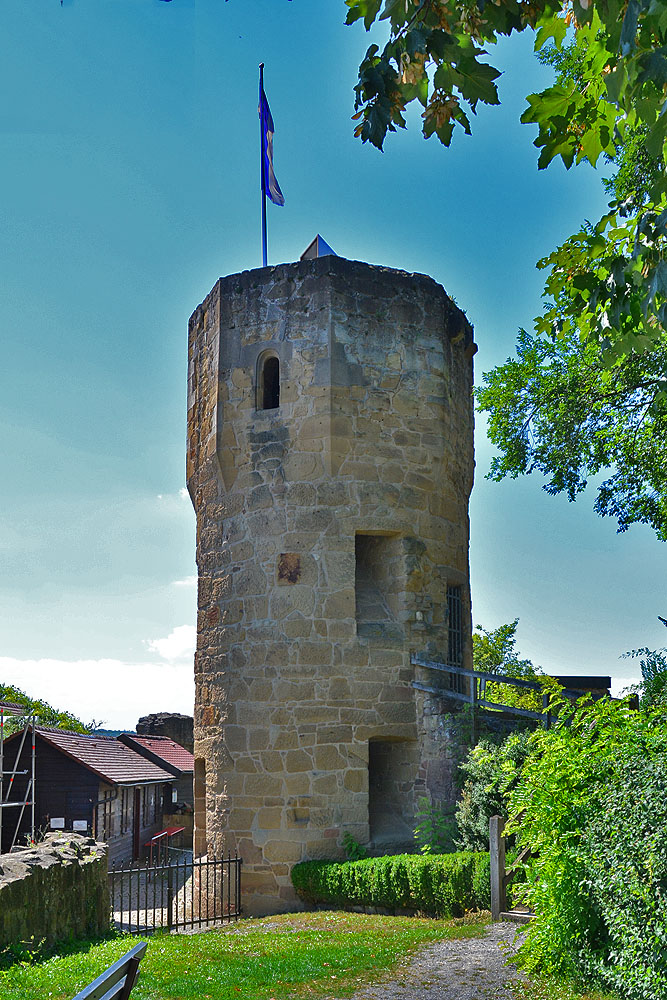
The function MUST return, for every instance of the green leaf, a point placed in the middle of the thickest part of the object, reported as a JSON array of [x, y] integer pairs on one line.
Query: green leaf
[[656, 138], [475, 82], [653, 68], [368, 9], [442, 78], [550, 27], [550, 103], [657, 280], [592, 146], [398, 12], [616, 82], [629, 29]]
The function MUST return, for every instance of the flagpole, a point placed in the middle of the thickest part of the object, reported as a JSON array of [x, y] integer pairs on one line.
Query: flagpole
[[262, 142]]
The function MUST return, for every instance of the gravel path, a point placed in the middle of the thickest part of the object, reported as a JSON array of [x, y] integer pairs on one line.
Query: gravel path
[[466, 969]]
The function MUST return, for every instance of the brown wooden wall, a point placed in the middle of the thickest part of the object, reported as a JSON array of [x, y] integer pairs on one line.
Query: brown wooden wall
[[63, 788]]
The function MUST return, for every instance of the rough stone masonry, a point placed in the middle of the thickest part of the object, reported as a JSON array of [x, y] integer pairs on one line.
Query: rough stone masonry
[[330, 462], [53, 891]]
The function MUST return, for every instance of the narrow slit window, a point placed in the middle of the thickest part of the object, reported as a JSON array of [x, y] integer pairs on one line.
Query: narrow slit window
[[269, 384]]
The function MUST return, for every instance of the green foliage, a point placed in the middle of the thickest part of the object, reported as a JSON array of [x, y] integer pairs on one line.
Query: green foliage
[[559, 409], [47, 714], [557, 988], [607, 283], [588, 394], [491, 773], [636, 170], [441, 885], [354, 851], [653, 664], [436, 827], [593, 793], [494, 652]]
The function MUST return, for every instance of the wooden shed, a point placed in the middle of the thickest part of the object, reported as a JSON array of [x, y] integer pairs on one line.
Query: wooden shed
[[91, 784]]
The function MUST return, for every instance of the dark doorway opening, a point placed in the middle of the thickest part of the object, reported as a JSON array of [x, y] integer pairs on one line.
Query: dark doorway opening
[[392, 768]]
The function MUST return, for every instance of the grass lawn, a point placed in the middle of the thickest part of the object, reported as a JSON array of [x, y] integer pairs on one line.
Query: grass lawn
[[310, 954]]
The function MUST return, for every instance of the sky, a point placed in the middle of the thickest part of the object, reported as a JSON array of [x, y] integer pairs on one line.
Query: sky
[[129, 169]]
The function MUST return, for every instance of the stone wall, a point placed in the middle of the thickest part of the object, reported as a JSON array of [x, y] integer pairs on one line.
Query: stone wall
[[176, 726], [52, 892], [329, 529]]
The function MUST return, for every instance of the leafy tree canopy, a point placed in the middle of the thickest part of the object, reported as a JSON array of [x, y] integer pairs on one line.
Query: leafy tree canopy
[[607, 283], [494, 652], [560, 410], [653, 664], [47, 714], [587, 395]]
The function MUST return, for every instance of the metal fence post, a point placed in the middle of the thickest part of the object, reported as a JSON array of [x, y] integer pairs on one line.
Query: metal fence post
[[170, 898], [497, 856]]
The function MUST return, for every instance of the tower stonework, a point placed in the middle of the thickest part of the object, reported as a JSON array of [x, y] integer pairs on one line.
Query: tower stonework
[[330, 462]]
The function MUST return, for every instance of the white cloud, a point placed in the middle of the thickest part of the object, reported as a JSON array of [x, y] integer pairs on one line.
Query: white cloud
[[114, 691], [178, 645], [188, 581], [176, 503], [618, 684]]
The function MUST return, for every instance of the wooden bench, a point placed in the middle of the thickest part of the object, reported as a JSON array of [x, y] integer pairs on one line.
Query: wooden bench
[[117, 981]]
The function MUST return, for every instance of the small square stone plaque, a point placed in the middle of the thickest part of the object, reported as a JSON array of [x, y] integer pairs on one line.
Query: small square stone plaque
[[289, 567]]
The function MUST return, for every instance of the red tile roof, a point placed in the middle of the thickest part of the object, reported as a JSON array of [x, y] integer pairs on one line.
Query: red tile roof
[[162, 750], [105, 756]]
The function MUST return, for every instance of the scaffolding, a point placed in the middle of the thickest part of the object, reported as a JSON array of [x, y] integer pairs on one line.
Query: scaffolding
[[8, 788]]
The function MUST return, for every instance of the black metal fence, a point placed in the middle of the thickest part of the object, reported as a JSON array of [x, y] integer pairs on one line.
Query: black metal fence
[[184, 894]]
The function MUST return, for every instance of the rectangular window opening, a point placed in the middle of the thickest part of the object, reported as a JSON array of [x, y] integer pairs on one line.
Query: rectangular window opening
[[377, 578]]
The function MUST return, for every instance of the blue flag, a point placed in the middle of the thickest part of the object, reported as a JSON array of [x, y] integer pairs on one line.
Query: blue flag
[[271, 186]]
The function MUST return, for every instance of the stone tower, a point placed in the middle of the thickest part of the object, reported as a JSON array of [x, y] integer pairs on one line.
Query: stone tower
[[330, 462]]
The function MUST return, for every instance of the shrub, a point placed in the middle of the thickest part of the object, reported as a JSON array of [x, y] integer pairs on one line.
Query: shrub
[[440, 885], [435, 832], [623, 851], [491, 771], [354, 851], [594, 791]]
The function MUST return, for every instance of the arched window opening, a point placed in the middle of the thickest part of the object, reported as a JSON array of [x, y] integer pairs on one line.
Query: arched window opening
[[268, 385]]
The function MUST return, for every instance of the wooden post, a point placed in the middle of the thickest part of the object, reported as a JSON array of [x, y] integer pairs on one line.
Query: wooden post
[[473, 702], [497, 854]]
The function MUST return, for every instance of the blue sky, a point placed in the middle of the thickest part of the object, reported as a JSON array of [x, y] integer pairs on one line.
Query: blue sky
[[129, 169]]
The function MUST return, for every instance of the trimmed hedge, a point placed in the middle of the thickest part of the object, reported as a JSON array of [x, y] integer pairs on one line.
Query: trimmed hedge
[[440, 885]]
